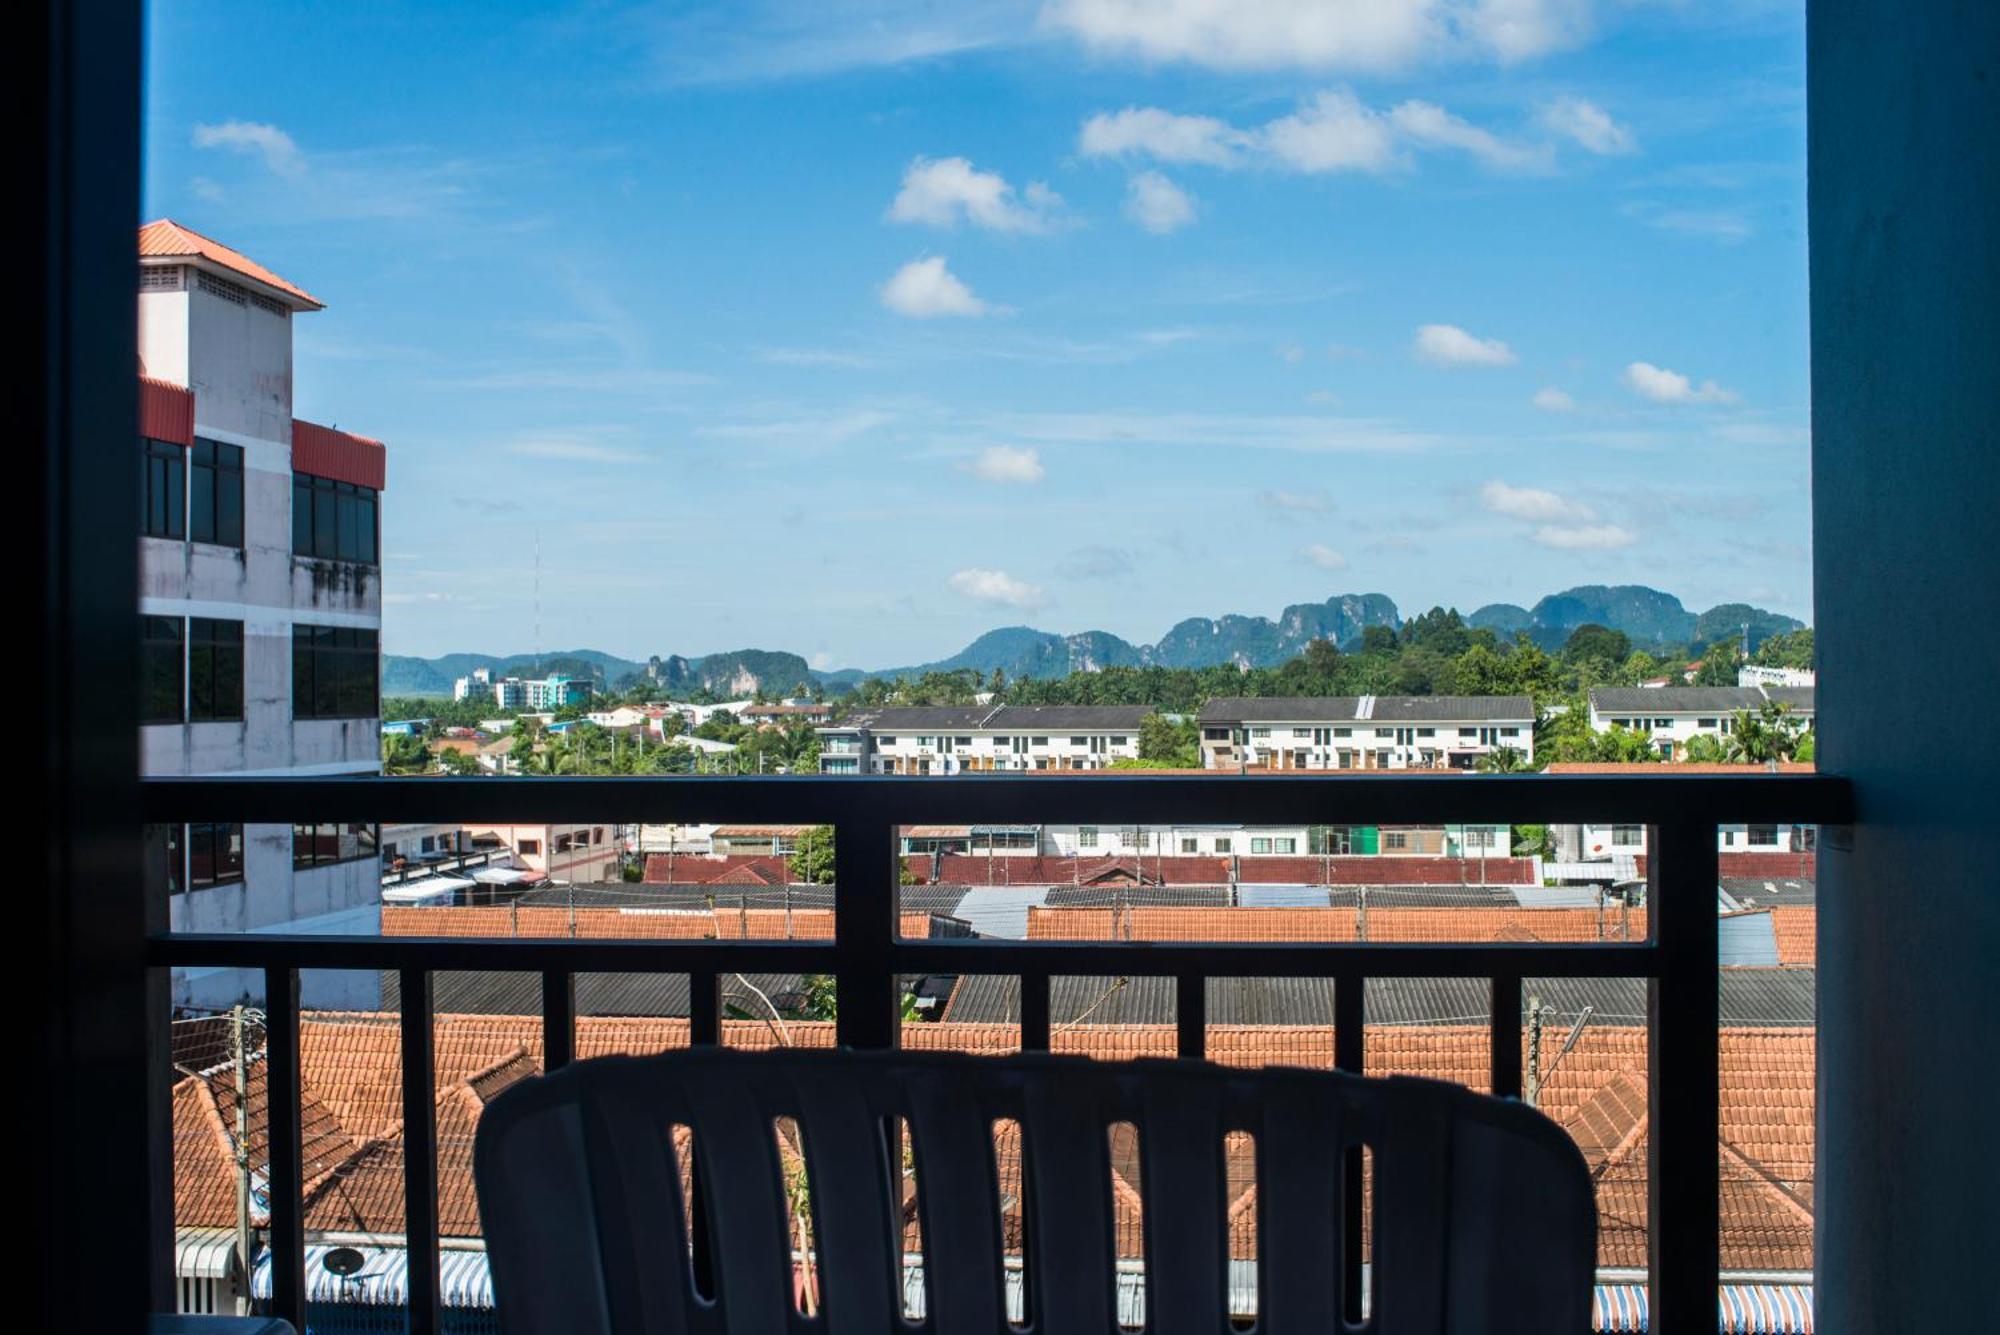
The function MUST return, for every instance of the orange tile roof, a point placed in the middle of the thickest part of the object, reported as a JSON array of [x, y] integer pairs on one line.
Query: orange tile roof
[[351, 1072], [166, 239], [1183, 923], [1797, 929]]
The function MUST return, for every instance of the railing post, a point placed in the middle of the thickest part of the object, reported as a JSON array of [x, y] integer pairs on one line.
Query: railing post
[[558, 1018], [1191, 1015], [1683, 1170], [281, 1114], [1034, 1011], [1505, 1036], [865, 865], [420, 1231]]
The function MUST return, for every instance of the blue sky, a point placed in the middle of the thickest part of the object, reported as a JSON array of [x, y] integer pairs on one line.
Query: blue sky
[[856, 330]]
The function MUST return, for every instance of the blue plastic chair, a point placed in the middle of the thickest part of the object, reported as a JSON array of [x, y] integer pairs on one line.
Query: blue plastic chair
[[1483, 1215]]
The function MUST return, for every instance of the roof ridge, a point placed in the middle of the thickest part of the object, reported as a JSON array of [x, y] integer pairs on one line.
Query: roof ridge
[[1793, 1204]]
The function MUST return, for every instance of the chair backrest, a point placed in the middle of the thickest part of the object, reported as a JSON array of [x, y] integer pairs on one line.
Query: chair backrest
[[1483, 1218]]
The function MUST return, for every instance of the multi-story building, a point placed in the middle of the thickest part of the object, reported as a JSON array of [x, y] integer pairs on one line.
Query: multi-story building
[[1361, 732], [522, 693], [982, 738], [1671, 716], [478, 682], [260, 605], [1754, 674], [563, 853]]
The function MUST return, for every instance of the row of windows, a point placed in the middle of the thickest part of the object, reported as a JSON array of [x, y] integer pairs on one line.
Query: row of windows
[[197, 493], [335, 672], [334, 521], [1016, 743], [201, 856], [1320, 734], [192, 671], [324, 845]]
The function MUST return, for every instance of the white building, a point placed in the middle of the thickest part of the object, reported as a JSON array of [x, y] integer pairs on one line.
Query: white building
[[982, 738], [1750, 674], [260, 607], [1671, 716], [479, 683], [1364, 732]]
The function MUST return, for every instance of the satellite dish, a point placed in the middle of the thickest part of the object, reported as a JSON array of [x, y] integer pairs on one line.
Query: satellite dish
[[343, 1261]]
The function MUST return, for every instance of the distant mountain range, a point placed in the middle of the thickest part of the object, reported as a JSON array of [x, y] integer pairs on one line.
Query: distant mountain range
[[1651, 618]]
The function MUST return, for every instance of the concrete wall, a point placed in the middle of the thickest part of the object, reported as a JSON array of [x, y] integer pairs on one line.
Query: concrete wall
[[1905, 246]]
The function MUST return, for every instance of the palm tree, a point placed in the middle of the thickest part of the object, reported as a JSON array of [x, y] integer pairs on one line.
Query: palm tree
[[1503, 760], [1765, 736]]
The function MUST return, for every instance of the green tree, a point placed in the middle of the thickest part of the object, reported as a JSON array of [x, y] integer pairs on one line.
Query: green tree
[[1767, 735], [404, 753], [812, 856], [1170, 741], [1503, 760]]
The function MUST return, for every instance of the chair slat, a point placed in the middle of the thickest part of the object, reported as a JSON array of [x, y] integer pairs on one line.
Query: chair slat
[[1300, 1154], [843, 1149], [635, 1193], [959, 1203], [1186, 1202], [734, 1139], [1069, 1163]]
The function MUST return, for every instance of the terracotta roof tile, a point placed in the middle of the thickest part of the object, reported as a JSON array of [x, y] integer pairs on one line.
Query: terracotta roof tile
[[166, 239], [352, 1072], [1155, 923], [1797, 929]]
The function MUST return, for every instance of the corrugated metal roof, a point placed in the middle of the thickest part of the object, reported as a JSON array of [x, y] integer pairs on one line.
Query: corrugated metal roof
[[1750, 997], [1746, 940], [166, 239]]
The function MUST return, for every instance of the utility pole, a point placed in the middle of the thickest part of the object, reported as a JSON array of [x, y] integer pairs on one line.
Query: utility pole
[[1534, 1082], [239, 1061]]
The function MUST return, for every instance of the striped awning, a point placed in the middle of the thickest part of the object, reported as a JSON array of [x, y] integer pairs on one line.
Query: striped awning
[[1741, 1309], [204, 1253], [384, 1278]]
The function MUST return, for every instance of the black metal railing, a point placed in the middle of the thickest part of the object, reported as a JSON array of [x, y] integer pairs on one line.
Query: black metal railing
[[866, 955]]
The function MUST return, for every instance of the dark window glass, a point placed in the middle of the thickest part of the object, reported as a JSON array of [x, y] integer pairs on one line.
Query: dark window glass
[[165, 502], [333, 520], [335, 672], [215, 855], [215, 493], [324, 845], [173, 854], [215, 669], [160, 664], [1763, 836]]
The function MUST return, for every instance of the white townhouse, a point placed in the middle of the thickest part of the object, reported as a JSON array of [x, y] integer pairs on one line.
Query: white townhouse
[[1671, 716], [260, 608], [982, 738], [1364, 732]]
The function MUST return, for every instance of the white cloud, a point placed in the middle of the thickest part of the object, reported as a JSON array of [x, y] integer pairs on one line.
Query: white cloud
[[573, 450], [1589, 125], [1725, 226], [1584, 537], [814, 357], [1097, 562], [1448, 345], [1157, 204], [1006, 463], [1333, 132], [941, 191], [1552, 400], [1375, 35], [1162, 135], [996, 587], [1663, 386], [1323, 556], [1530, 503], [924, 289], [1432, 126], [1297, 502], [279, 151]]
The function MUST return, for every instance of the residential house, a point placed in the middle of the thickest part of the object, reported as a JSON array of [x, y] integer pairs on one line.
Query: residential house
[[1363, 732], [982, 739], [1671, 716]]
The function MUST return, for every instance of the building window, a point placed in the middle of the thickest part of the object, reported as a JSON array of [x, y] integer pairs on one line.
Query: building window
[[215, 669], [1626, 836], [1395, 840], [1763, 836], [161, 663], [165, 490], [529, 847], [215, 855], [1260, 845], [334, 672], [1285, 845], [215, 493], [324, 845], [1222, 845], [1086, 836], [332, 520], [1190, 846], [1510, 732]]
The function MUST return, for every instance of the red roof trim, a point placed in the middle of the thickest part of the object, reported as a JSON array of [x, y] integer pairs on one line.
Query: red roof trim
[[324, 452], [166, 411]]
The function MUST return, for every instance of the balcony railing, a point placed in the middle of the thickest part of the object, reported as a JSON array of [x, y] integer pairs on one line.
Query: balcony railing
[[867, 957]]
